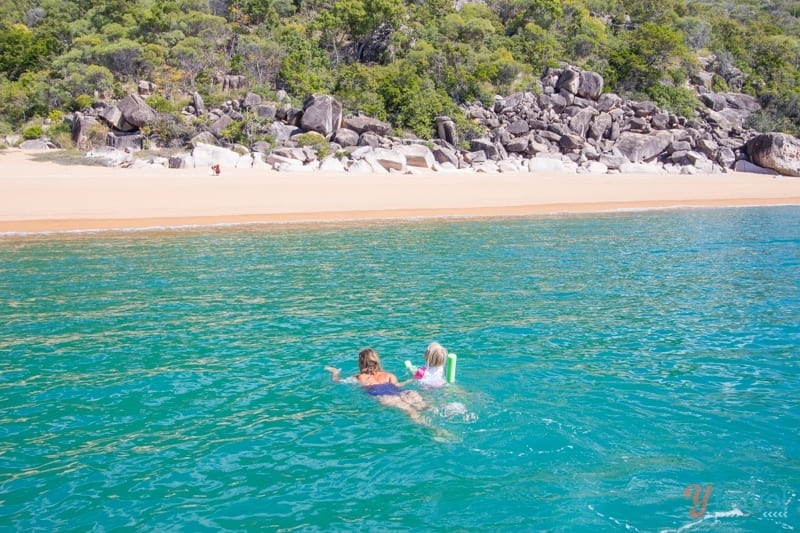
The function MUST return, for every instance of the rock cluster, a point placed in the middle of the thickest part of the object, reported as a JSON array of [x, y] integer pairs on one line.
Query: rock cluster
[[571, 119], [124, 119], [567, 124]]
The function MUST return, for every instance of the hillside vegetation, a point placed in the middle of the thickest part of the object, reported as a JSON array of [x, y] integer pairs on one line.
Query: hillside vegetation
[[400, 61]]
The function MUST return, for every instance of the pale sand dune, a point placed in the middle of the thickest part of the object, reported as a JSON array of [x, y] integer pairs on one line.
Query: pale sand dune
[[42, 196]]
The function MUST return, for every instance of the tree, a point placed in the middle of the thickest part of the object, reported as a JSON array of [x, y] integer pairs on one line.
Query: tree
[[123, 57], [771, 59], [358, 89], [304, 66], [515, 14], [260, 57], [361, 18], [643, 58], [411, 100], [22, 51], [188, 55], [88, 79], [536, 47], [696, 31]]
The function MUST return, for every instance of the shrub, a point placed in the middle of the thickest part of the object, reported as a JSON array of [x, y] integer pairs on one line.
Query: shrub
[[81, 102], [169, 130], [678, 100], [96, 134], [315, 141], [467, 129], [160, 104], [32, 132]]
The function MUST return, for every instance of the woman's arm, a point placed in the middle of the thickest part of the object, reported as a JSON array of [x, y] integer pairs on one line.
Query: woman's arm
[[334, 372]]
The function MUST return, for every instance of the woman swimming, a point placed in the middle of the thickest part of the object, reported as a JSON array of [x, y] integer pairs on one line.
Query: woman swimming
[[383, 385]]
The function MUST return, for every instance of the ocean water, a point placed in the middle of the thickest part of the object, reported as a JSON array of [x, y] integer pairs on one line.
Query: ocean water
[[619, 372]]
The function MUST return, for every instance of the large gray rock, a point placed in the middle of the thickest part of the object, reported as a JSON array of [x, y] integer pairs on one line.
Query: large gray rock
[[417, 155], [569, 81], [135, 111], [233, 82], [714, 101], [638, 147], [35, 145], [81, 125], [146, 88], [124, 141], [547, 164], [579, 123], [388, 159], [719, 119], [345, 137], [591, 85], [600, 125], [206, 155], [321, 113], [641, 168], [446, 129], [369, 139], [519, 127], [332, 164], [181, 161], [112, 115], [644, 109], [608, 101], [198, 104], [282, 132], [366, 125], [220, 124], [519, 145], [745, 102], [251, 100], [571, 142], [443, 154], [778, 151], [743, 165], [205, 137], [266, 111]]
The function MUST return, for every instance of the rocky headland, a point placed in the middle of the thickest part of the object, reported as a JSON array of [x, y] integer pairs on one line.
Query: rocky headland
[[568, 123]]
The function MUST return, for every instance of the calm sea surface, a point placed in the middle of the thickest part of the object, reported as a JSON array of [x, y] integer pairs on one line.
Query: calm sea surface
[[621, 372]]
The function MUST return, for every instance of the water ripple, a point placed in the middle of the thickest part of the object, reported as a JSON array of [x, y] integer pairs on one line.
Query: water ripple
[[159, 381]]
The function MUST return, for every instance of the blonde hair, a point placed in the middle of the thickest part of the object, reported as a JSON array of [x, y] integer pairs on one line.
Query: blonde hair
[[369, 362], [435, 354]]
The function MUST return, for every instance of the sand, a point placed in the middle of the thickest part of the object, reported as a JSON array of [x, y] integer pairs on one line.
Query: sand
[[38, 196]]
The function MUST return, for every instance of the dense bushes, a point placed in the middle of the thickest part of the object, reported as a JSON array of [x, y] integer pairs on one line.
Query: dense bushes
[[396, 60]]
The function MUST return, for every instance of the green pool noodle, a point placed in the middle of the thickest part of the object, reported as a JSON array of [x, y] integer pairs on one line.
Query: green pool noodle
[[411, 368], [451, 367]]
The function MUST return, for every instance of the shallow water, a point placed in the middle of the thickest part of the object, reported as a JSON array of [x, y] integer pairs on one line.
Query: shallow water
[[633, 372]]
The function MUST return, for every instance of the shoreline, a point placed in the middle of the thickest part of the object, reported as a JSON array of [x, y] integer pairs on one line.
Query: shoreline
[[114, 225], [45, 197]]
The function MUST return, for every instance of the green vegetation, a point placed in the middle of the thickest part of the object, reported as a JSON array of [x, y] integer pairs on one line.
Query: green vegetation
[[316, 141], [397, 60]]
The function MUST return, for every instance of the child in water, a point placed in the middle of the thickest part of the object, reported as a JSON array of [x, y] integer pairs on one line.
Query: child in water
[[432, 374], [383, 385]]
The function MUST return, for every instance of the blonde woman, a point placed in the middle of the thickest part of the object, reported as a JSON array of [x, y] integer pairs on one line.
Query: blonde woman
[[383, 385]]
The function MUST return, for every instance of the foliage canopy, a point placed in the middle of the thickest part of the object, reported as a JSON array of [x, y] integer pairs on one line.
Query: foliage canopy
[[398, 60]]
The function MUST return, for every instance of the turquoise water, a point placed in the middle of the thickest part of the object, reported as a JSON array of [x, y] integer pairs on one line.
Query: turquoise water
[[622, 372]]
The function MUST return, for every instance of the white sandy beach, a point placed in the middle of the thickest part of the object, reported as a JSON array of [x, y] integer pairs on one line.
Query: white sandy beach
[[42, 196]]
